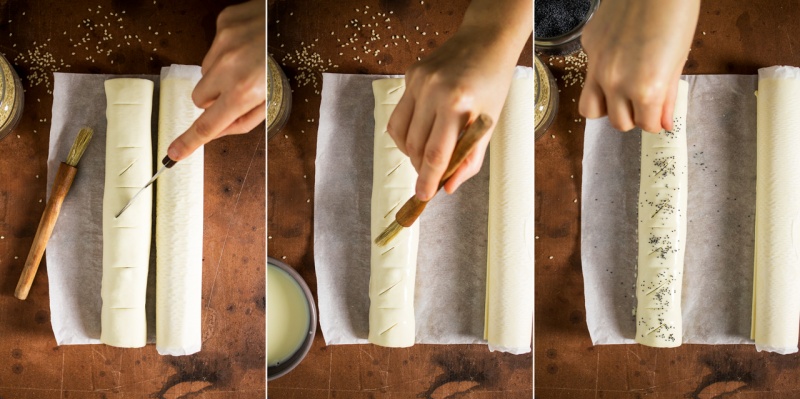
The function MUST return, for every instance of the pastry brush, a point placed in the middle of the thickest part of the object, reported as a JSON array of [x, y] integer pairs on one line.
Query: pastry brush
[[411, 210], [63, 181]]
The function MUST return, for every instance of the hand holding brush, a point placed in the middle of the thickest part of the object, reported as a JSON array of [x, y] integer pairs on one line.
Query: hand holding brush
[[411, 210]]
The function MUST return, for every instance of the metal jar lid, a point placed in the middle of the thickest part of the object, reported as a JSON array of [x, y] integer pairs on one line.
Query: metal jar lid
[[11, 98], [546, 96], [279, 98]]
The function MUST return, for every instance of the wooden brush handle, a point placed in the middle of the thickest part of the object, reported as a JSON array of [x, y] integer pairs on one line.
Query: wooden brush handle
[[63, 181], [466, 144], [411, 210]]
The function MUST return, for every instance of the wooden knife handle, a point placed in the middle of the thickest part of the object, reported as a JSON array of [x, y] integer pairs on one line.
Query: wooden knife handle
[[63, 181], [411, 210]]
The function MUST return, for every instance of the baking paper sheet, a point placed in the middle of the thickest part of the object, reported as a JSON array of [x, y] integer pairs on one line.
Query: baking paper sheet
[[451, 268], [75, 251], [718, 269]]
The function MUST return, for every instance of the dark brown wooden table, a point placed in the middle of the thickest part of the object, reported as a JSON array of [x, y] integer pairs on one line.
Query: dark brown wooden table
[[733, 37], [362, 371], [231, 363]]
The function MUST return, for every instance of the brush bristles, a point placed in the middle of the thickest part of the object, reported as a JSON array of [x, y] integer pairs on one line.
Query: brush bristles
[[79, 146], [389, 234]]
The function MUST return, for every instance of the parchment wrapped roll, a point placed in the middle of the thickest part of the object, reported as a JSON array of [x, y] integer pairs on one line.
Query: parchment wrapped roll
[[509, 283], [179, 221], [392, 268], [776, 287], [126, 240], [663, 194]]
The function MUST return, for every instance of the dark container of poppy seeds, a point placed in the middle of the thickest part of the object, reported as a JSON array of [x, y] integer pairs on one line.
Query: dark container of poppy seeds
[[558, 24]]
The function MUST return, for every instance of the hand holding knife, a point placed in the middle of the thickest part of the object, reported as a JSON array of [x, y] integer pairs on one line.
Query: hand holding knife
[[167, 163]]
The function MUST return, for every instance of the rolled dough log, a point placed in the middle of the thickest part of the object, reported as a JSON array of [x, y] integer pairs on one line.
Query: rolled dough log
[[393, 268], [179, 221], [126, 240], [776, 287], [509, 282], [663, 193]]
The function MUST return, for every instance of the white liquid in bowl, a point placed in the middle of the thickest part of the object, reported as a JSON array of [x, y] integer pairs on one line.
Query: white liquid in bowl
[[288, 316]]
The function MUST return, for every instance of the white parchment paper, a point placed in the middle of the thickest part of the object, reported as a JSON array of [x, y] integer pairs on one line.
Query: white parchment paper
[[450, 289], [75, 250], [718, 269]]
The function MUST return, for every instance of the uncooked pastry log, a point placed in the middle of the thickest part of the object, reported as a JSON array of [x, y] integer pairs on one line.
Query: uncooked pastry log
[[392, 268], [179, 221], [663, 193], [776, 287], [126, 240], [509, 285]]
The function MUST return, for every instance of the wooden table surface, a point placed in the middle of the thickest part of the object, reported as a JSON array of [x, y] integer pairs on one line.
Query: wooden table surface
[[732, 37], [361, 371], [231, 363]]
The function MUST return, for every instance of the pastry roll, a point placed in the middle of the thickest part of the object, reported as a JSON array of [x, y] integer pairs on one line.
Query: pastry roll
[[663, 193], [512, 194], [179, 221], [126, 240], [776, 283], [393, 267]]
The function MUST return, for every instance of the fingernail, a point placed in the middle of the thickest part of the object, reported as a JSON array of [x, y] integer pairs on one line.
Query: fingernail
[[173, 153], [422, 195]]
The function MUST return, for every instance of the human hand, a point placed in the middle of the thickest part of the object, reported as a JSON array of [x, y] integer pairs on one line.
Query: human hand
[[468, 75], [232, 91], [636, 51]]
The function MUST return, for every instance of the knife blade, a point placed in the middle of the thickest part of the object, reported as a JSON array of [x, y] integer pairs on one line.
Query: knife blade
[[167, 163]]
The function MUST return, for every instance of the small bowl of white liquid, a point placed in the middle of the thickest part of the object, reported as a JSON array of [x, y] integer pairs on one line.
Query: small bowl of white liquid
[[291, 319]]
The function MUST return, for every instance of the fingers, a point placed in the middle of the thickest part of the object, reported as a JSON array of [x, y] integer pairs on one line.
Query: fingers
[[206, 128], [620, 113], [647, 104], [208, 89], [229, 18], [437, 153], [669, 105], [647, 114], [247, 122], [593, 101], [400, 120], [418, 132], [470, 167]]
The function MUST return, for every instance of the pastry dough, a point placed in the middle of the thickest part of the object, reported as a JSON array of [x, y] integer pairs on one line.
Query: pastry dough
[[663, 193], [776, 293], [393, 268], [512, 194], [126, 240], [179, 221]]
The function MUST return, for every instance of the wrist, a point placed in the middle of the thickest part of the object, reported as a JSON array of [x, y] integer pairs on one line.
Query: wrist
[[495, 41], [502, 31]]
